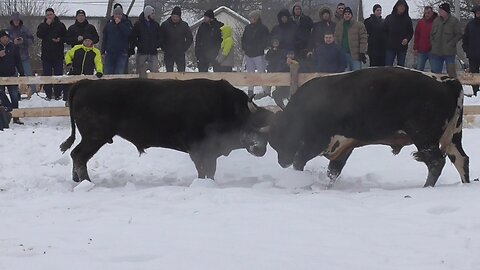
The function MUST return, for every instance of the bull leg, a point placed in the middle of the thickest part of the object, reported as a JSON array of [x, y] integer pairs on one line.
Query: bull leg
[[210, 165], [335, 167], [80, 156], [434, 159], [458, 157], [199, 165]]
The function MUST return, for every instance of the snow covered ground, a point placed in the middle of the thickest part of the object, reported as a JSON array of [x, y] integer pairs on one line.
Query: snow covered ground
[[150, 212]]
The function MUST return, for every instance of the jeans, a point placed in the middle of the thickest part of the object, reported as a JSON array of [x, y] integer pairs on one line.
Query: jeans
[[50, 68], [422, 60], [116, 63], [146, 62], [256, 63], [11, 103], [352, 64], [436, 62], [174, 58], [27, 67], [390, 56]]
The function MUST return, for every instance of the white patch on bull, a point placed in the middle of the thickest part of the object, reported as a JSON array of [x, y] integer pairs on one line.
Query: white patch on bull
[[438, 77], [338, 145]]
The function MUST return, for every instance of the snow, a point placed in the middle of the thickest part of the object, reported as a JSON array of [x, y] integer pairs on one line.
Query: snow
[[150, 212]]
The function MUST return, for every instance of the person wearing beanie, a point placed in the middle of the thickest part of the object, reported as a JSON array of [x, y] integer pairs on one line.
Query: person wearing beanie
[[23, 38], [471, 43], [375, 26], [399, 32], [446, 33], [176, 37], [115, 42], [321, 27], [208, 41], [52, 32], [352, 37], [146, 38], [10, 64], [421, 42], [303, 31], [76, 32]]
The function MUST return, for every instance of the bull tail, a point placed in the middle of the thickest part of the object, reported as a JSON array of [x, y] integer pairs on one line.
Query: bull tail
[[69, 141]]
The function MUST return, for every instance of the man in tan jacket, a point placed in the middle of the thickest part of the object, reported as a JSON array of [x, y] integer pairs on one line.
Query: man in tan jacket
[[352, 37]]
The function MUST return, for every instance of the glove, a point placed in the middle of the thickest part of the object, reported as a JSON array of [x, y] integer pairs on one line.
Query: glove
[[99, 74], [362, 57]]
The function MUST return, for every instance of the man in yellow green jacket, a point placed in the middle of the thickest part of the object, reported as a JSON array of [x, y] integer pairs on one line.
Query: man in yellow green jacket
[[225, 54], [84, 59]]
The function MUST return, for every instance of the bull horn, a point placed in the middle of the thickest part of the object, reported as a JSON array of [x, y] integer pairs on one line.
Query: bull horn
[[265, 129], [252, 107]]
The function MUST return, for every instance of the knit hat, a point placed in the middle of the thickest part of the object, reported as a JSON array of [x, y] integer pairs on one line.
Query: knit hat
[[209, 13], [445, 7], [49, 9], [3, 33], [348, 10], [254, 14], [117, 5], [148, 10], [476, 8], [177, 11], [16, 16], [87, 35], [375, 7], [118, 11], [80, 11]]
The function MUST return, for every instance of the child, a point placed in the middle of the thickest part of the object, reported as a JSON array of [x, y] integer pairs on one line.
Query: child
[[83, 59], [225, 54], [277, 62], [330, 57]]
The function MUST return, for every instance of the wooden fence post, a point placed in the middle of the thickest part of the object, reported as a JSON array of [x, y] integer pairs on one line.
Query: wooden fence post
[[294, 68]]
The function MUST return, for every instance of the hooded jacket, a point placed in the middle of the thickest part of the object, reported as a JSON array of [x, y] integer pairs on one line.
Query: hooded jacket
[[376, 35], [116, 36], [398, 27], [303, 32], [284, 31], [52, 51], [320, 28], [79, 29], [471, 39], [23, 32], [255, 39], [176, 38], [445, 35], [421, 41], [208, 40], [84, 60], [225, 54], [11, 62], [145, 36]]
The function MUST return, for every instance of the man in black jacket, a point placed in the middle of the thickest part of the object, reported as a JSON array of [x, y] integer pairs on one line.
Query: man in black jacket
[[207, 41], [471, 43], [76, 32], [303, 31], [146, 37], [376, 37], [10, 64], [52, 32], [399, 32], [176, 37]]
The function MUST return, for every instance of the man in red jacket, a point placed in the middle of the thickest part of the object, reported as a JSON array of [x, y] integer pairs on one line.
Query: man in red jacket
[[421, 43]]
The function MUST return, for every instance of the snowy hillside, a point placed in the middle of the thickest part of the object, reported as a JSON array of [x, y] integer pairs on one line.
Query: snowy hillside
[[149, 212]]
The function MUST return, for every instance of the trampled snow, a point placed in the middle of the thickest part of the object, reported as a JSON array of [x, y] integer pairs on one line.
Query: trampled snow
[[150, 211]]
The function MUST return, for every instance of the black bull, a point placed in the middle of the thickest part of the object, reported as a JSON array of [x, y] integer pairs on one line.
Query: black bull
[[203, 118], [332, 115]]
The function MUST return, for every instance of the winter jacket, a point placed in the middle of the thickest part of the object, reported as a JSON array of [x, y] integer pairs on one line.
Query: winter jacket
[[255, 39], [11, 62], [398, 27], [52, 51], [226, 52], [471, 39], [337, 18], [84, 60], [376, 35], [445, 36], [145, 36], [176, 38], [208, 40], [23, 32], [79, 29], [116, 36], [303, 33], [284, 32], [277, 60], [421, 42], [319, 29], [330, 58], [357, 38]]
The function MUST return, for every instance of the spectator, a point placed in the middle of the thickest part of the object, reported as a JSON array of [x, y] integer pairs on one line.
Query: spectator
[[321, 27], [285, 31], [52, 32], [338, 13], [207, 41], [176, 39], [471, 43], [421, 41], [277, 62], [146, 37], [399, 31], [115, 42], [77, 31], [352, 37], [376, 37], [10, 64], [446, 33], [255, 40], [84, 59], [23, 38], [329, 57], [303, 32], [226, 52]]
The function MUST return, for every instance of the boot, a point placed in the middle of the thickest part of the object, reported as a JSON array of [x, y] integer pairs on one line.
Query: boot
[[17, 121]]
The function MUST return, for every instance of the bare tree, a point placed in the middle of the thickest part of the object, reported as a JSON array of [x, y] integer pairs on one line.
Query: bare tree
[[31, 7], [465, 6]]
